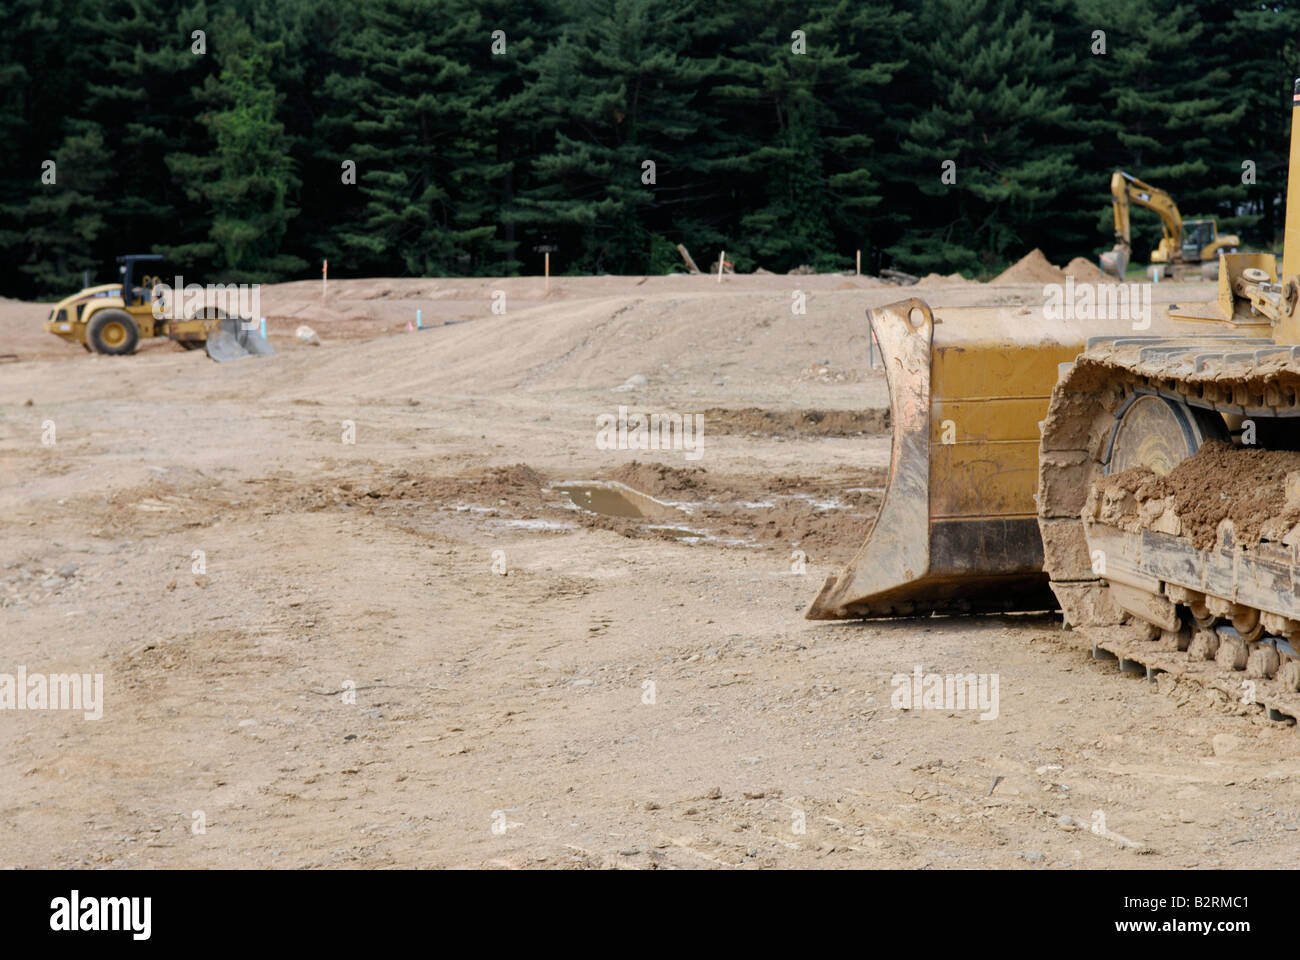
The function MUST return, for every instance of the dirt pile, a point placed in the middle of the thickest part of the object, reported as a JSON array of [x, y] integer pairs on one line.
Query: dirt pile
[[660, 480], [1086, 271], [1033, 267], [1220, 482], [939, 280]]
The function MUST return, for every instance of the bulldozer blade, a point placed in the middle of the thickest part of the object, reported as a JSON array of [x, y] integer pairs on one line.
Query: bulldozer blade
[[957, 529], [234, 338]]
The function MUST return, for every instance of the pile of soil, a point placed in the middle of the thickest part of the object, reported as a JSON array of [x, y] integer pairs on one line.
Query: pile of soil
[[518, 486], [828, 521], [1244, 485], [660, 480], [1033, 267], [1085, 271], [939, 280]]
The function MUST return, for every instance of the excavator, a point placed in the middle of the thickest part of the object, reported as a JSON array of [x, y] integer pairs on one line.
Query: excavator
[[1103, 460], [1188, 248]]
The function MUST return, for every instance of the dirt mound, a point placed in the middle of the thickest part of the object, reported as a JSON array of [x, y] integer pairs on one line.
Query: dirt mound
[[787, 423], [1220, 482], [828, 521], [518, 486], [1033, 267], [1086, 271], [660, 480], [939, 280]]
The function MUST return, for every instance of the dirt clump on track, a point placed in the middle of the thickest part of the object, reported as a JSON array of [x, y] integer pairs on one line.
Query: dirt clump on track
[[1219, 482]]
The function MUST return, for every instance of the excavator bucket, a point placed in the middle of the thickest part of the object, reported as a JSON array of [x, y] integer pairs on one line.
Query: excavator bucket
[[958, 528], [1115, 261]]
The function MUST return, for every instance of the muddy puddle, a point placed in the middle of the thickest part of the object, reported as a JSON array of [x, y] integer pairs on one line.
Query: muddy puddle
[[825, 516], [610, 498], [832, 523], [613, 499]]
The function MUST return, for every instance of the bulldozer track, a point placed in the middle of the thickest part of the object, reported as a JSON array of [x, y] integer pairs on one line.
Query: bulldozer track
[[1150, 597], [1127, 645]]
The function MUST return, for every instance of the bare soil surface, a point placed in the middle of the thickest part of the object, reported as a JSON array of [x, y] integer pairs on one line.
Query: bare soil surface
[[345, 618]]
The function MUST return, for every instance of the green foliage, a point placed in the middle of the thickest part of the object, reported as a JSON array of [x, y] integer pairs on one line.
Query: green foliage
[[664, 258], [64, 218], [246, 177], [786, 132]]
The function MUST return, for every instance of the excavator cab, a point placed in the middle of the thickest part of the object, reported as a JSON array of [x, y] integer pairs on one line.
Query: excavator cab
[[1197, 235]]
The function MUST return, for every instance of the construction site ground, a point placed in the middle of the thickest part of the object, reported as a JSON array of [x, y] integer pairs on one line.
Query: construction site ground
[[311, 656]]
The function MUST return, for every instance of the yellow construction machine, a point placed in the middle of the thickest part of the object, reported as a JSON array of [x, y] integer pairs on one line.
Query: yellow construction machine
[[113, 317], [1030, 445], [1188, 248]]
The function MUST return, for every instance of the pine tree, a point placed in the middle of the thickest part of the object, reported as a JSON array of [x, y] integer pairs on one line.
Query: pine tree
[[246, 180], [622, 93], [1262, 83], [1162, 108], [990, 117], [36, 89], [403, 108], [64, 219], [139, 68], [805, 91]]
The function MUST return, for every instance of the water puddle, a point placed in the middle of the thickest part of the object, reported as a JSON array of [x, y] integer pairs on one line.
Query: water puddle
[[614, 499]]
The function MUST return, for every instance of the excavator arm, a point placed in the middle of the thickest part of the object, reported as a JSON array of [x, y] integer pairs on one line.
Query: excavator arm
[[1126, 189]]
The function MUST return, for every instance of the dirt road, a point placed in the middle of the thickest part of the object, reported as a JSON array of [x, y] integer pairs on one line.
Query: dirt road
[[345, 617]]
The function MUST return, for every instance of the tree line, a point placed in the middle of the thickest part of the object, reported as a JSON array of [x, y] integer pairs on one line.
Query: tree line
[[248, 140]]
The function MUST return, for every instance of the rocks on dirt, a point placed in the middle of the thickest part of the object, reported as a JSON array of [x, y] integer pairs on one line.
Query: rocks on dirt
[[634, 382], [1224, 743]]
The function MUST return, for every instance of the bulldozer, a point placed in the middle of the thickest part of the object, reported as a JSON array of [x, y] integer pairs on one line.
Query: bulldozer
[[1029, 449], [112, 318], [1187, 248]]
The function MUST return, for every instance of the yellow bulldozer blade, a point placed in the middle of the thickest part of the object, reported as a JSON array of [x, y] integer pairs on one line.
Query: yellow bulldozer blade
[[958, 527]]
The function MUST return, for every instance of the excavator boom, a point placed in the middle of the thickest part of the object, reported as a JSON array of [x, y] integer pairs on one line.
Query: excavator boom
[[1124, 190]]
